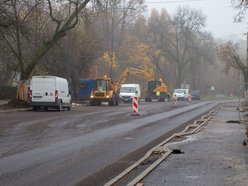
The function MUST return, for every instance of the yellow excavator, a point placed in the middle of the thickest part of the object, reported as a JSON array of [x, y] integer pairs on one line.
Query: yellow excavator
[[156, 89], [104, 90]]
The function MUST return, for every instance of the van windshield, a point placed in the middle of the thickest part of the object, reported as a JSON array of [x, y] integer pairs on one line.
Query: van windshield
[[127, 89], [178, 91]]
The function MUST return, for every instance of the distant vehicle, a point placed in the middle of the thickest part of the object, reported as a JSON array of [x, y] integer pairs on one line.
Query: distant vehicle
[[195, 94], [49, 91], [128, 91], [181, 94], [84, 89]]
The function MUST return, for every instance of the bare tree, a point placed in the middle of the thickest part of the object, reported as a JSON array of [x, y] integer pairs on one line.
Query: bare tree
[[202, 52], [63, 17], [75, 54], [175, 37], [228, 53], [115, 17], [241, 6], [187, 24], [186, 48], [159, 29]]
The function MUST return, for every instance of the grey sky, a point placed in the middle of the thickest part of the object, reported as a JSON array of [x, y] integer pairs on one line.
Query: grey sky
[[219, 14]]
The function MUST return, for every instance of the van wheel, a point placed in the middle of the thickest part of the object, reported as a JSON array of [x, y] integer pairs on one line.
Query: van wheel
[[46, 108], [69, 108], [34, 108], [60, 108]]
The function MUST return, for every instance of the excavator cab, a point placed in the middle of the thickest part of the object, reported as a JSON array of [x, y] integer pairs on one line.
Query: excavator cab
[[101, 86]]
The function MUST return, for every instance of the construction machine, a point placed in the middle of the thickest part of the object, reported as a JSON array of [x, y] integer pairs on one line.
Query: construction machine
[[104, 90], [134, 71], [156, 89]]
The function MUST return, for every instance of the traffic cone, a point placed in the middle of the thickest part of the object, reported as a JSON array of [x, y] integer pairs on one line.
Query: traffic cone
[[135, 106]]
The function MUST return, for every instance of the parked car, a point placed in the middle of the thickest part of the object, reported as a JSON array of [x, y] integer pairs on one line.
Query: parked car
[[49, 91], [195, 94]]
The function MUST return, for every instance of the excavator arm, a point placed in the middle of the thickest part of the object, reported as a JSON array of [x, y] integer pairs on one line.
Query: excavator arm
[[134, 71]]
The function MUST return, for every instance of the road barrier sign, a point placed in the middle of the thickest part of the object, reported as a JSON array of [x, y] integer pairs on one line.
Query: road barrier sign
[[135, 106]]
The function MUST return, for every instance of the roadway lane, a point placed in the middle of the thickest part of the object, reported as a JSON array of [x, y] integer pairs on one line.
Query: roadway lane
[[63, 148]]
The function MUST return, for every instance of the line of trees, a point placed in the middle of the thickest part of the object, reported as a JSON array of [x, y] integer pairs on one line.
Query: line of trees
[[74, 38]]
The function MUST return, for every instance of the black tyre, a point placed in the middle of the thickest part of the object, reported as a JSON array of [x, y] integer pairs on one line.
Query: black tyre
[[35, 108], [60, 108], [92, 103]]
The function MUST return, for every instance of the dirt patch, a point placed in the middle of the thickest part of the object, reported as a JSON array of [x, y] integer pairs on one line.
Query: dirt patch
[[14, 104]]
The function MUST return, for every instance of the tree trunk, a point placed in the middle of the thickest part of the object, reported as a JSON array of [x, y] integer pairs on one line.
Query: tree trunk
[[179, 76], [246, 97], [246, 87]]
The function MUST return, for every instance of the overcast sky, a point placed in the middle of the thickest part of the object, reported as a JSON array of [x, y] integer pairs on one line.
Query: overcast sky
[[219, 15]]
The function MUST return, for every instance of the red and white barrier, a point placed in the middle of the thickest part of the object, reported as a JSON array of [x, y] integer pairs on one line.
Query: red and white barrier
[[135, 106]]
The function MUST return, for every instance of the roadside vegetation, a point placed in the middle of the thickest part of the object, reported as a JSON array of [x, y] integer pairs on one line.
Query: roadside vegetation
[[85, 39]]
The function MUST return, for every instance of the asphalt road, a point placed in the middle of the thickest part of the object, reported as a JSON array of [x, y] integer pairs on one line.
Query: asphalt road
[[214, 156], [87, 145]]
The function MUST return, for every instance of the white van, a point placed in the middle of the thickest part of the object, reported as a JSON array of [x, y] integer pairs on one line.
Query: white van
[[181, 94], [49, 91], [128, 91]]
